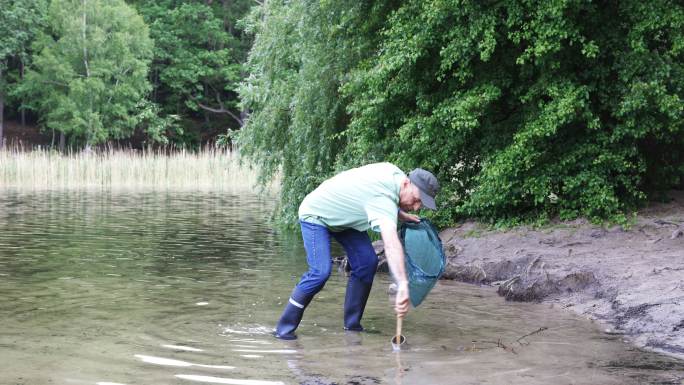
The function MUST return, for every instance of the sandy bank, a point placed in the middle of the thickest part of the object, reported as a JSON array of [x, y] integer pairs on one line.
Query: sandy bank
[[632, 280]]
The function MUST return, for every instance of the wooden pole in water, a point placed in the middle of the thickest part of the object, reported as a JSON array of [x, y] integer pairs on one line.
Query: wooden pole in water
[[398, 337]]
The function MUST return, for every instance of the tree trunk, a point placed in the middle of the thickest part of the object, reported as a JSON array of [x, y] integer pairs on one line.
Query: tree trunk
[[62, 141], [227, 25], [2, 111], [244, 114], [22, 112], [206, 113], [2, 119], [155, 81], [85, 48], [87, 74]]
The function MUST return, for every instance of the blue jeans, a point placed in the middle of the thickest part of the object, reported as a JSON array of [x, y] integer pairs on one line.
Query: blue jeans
[[360, 254]]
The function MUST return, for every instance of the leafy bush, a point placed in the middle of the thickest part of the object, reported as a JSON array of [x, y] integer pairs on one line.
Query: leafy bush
[[524, 109]]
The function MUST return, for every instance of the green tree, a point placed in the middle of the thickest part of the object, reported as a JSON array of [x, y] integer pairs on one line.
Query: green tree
[[89, 77], [19, 23], [199, 51]]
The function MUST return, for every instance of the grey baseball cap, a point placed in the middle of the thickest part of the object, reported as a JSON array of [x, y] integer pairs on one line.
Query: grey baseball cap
[[427, 184]]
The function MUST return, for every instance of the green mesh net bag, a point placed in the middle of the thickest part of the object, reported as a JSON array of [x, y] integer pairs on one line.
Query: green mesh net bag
[[425, 259]]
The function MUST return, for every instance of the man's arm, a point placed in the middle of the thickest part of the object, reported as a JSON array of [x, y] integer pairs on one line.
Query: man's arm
[[395, 259], [406, 217]]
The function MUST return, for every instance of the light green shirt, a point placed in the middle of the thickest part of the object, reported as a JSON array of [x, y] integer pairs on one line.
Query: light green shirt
[[358, 198]]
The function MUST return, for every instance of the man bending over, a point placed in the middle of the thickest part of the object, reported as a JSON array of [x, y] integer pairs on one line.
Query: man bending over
[[344, 207]]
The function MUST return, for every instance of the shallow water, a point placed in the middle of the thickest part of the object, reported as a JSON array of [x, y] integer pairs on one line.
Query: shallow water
[[163, 288]]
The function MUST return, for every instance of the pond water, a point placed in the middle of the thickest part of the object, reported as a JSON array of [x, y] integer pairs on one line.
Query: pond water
[[184, 288]]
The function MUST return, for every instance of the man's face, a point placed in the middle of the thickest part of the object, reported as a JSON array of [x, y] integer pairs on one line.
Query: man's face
[[410, 200]]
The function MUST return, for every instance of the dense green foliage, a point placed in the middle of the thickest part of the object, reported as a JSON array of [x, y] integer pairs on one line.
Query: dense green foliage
[[170, 75], [90, 73], [198, 59], [20, 21], [524, 109]]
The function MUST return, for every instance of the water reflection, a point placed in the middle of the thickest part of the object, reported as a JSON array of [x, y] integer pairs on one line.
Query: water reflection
[[251, 341], [100, 288], [219, 380], [185, 348], [274, 351], [171, 362]]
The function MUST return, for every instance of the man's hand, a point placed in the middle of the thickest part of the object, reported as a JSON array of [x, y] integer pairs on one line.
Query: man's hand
[[395, 260], [401, 306], [406, 217]]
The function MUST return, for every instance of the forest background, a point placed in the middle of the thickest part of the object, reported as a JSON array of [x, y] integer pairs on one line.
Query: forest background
[[525, 110]]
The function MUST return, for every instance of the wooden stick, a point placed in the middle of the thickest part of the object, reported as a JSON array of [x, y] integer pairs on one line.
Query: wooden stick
[[541, 329], [398, 338]]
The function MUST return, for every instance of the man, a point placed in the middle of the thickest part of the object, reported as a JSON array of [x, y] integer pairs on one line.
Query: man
[[344, 207]]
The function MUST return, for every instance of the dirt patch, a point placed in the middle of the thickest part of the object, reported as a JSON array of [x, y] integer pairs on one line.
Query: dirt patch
[[631, 279]]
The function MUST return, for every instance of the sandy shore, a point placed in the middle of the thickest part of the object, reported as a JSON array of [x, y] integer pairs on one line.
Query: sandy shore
[[630, 279]]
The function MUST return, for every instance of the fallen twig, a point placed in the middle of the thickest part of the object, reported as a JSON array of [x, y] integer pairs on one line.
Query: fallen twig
[[541, 329], [575, 244], [664, 222], [498, 343], [506, 348]]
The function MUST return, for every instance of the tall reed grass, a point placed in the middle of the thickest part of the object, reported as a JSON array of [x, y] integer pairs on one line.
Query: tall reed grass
[[208, 169]]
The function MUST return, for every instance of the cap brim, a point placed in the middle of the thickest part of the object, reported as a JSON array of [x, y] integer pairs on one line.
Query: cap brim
[[427, 200]]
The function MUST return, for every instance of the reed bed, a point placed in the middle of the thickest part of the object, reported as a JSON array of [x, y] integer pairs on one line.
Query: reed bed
[[208, 169]]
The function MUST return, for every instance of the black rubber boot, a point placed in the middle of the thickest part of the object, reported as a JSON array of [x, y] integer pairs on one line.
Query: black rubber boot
[[292, 315], [354, 303]]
